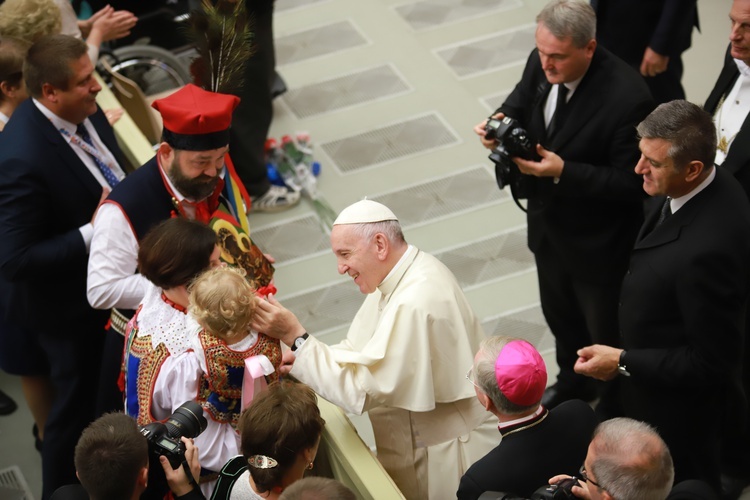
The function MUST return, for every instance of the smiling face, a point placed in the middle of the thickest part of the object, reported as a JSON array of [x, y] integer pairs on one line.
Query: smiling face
[[78, 101], [561, 60], [361, 259], [739, 36]]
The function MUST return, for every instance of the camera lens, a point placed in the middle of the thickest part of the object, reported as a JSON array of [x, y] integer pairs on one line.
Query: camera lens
[[187, 420]]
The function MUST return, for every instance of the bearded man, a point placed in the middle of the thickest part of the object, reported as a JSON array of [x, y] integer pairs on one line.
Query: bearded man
[[191, 176]]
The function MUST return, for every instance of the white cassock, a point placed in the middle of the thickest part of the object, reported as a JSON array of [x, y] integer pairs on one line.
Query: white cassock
[[405, 359]]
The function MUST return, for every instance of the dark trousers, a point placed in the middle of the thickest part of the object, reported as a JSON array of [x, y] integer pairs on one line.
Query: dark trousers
[[109, 396], [252, 118], [74, 352], [579, 314]]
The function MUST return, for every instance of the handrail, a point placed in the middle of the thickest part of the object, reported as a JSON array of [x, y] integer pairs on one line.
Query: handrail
[[351, 460], [134, 145]]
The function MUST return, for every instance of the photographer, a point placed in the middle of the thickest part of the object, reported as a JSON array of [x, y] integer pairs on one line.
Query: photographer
[[626, 460], [579, 105], [112, 462]]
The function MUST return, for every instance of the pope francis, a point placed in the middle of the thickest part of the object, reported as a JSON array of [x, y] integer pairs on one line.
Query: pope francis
[[404, 358]]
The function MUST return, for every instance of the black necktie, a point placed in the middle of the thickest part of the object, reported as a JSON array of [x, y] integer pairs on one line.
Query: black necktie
[[666, 211], [558, 115]]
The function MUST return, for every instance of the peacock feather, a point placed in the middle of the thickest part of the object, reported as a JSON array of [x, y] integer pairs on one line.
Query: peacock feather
[[223, 38]]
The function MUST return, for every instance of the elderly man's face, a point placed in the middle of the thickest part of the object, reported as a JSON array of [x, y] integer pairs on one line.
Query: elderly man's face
[[660, 177], [194, 173], [739, 36], [562, 61], [595, 493], [359, 258]]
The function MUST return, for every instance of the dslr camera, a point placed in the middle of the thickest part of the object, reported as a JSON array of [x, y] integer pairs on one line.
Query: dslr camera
[[562, 490], [512, 141], [164, 439]]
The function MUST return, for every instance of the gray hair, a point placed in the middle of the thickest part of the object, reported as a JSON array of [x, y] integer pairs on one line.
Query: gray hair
[[390, 228], [317, 488], [631, 461], [569, 18], [687, 127], [484, 374]]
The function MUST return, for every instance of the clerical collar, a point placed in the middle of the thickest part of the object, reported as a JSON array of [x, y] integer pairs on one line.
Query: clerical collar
[[512, 423], [743, 68], [523, 423], [678, 203], [3, 117], [400, 262]]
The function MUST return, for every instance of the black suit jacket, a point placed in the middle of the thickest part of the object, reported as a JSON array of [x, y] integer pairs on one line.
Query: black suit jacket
[[46, 194], [681, 318], [627, 27], [738, 157], [591, 217]]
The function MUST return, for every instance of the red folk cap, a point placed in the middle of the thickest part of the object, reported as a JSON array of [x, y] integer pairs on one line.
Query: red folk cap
[[196, 119]]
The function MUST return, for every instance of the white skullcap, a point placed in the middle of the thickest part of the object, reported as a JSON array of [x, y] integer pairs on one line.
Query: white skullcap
[[363, 212]]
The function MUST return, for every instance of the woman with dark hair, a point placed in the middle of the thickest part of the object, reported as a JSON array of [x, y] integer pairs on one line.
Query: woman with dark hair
[[170, 256], [280, 433]]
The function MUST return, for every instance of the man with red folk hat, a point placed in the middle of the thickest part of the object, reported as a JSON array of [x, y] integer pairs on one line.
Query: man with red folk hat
[[509, 377], [191, 176]]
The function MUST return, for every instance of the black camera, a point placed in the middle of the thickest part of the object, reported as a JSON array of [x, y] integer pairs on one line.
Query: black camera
[[562, 490], [512, 141], [164, 439]]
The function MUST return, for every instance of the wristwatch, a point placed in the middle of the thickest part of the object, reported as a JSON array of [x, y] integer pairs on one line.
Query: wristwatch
[[621, 366], [299, 341]]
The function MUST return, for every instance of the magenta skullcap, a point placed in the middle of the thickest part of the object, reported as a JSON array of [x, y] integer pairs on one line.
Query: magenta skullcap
[[521, 373]]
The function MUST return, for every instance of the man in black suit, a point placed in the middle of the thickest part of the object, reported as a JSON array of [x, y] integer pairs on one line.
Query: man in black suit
[[58, 160], [509, 377], [651, 36], [584, 210], [683, 297], [729, 103]]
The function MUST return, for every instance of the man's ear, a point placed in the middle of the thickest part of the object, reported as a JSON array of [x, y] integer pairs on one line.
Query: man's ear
[[694, 170], [165, 153], [383, 246], [49, 92], [143, 478]]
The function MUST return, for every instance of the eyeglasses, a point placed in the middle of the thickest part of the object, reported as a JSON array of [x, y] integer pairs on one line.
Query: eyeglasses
[[470, 378], [586, 478]]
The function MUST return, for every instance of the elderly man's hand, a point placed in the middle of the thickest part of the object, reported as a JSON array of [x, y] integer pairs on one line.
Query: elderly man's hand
[[287, 362], [598, 361], [580, 491], [479, 130], [277, 321], [551, 164]]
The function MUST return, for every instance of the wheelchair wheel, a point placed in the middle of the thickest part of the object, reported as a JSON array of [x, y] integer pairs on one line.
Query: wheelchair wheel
[[152, 68]]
